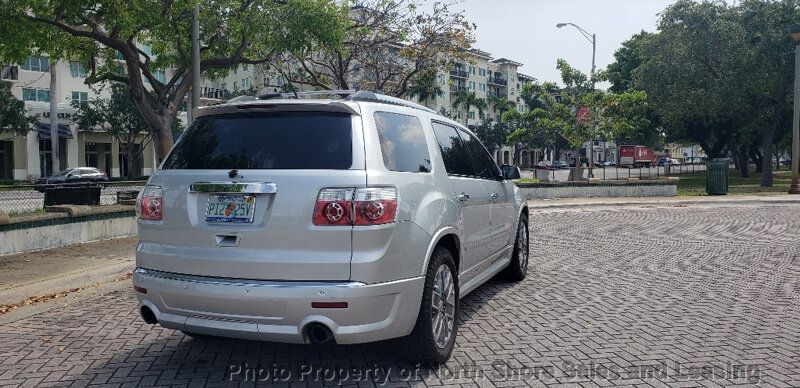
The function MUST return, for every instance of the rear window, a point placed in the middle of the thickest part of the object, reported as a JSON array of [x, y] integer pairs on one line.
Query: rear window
[[274, 141]]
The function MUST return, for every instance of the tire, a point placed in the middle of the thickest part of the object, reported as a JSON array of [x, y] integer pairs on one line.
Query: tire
[[423, 346], [518, 267]]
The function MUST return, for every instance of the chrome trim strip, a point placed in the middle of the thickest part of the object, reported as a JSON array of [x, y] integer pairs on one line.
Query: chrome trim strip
[[241, 282], [234, 187]]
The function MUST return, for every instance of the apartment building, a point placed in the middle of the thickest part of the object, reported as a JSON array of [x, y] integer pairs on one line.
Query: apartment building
[[28, 156]]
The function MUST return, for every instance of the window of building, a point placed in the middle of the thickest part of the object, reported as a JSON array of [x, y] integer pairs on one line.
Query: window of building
[[471, 85], [223, 86], [81, 97], [482, 72], [92, 153], [160, 75], [31, 94], [441, 79], [472, 70], [36, 63], [483, 87], [9, 72], [471, 114], [403, 142], [235, 86], [454, 153], [77, 69]]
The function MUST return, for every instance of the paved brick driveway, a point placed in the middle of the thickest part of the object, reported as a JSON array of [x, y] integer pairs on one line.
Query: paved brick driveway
[[653, 297]]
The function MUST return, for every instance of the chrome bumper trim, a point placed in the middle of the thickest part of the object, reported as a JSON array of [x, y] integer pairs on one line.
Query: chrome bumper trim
[[242, 282]]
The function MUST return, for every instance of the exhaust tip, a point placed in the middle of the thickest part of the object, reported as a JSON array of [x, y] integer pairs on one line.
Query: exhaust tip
[[148, 316], [318, 333]]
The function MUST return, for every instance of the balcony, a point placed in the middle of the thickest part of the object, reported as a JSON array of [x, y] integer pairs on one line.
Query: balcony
[[214, 93], [456, 89], [497, 81], [458, 73]]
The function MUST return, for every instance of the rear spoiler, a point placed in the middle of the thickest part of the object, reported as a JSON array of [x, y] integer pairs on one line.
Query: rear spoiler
[[282, 106]]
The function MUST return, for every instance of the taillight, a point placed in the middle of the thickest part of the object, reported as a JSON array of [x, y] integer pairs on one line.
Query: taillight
[[375, 205], [365, 206], [333, 207], [150, 204]]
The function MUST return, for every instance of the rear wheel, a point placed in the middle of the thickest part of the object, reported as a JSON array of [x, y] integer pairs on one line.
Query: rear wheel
[[518, 267], [434, 336]]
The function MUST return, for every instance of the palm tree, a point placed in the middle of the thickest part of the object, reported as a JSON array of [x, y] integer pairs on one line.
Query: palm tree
[[469, 100], [425, 87]]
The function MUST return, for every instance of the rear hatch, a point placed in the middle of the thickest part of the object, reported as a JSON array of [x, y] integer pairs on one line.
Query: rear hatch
[[239, 191]]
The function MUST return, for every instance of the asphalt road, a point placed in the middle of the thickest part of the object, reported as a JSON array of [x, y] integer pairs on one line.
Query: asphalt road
[[696, 295]]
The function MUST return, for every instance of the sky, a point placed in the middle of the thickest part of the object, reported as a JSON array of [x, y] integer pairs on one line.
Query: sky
[[525, 30]]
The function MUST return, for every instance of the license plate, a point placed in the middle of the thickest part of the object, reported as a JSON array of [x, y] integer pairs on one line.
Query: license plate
[[231, 208]]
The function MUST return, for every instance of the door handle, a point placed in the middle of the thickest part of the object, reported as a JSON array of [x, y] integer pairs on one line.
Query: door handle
[[495, 196], [463, 197]]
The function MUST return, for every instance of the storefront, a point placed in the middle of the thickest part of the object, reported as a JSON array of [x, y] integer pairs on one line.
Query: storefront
[[25, 157]]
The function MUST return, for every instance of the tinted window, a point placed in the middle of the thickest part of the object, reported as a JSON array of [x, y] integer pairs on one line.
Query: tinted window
[[289, 140], [403, 142], [454, 153], [481, 159]]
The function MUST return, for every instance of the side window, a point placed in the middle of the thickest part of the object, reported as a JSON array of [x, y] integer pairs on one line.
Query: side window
[[483, 162], [403, 142], [454, 153]]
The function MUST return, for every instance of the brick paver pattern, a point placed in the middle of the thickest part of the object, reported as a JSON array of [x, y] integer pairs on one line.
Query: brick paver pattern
[[646, 297]]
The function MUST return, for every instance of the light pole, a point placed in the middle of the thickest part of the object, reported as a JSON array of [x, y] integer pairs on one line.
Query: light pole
[[794, 33], [592, 38]]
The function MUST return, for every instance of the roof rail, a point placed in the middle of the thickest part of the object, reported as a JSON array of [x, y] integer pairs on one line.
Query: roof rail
[[365, 95]]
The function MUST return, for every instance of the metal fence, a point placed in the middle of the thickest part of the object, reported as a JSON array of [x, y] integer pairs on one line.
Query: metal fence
[[612, 172], [26, 199]]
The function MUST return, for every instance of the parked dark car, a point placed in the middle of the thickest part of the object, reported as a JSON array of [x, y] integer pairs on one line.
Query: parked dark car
[[72, 176]]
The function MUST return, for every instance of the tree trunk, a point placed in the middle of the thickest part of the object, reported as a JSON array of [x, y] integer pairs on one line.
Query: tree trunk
[[162, 141], [129, 162], [742, 162], [55, 156], [767, 145]]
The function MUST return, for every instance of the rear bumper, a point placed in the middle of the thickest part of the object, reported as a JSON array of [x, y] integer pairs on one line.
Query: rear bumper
[[278, 310]]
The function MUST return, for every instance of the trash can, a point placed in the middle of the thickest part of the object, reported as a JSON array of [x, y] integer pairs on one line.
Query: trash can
[[717, 177], [72, 195]]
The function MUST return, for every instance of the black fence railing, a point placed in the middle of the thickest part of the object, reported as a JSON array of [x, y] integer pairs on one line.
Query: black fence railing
[[21, 199]]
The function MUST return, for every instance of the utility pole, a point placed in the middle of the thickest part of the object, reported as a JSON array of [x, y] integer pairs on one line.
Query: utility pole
[[195, 63]]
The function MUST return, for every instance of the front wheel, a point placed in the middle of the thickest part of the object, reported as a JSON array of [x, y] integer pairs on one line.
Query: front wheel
[[434, 335], [518, 267]]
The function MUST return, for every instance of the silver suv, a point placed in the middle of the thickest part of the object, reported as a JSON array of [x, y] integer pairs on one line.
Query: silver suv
[[316, 220]]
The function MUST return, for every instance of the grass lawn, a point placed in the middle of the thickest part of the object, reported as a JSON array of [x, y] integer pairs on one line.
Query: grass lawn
[[695, 184]]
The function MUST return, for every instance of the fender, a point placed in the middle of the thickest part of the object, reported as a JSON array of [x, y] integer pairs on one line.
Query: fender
[[435, 240]]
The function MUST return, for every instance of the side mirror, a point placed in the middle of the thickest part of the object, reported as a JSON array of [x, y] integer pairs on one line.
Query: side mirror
[[510, 172]]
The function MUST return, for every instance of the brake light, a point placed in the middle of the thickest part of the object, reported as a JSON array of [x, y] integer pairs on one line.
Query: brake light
[[333, 207], [151, 204], [375, 205]]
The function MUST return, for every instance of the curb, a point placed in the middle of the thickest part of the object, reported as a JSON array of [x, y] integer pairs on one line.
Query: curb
[[532, 204], [79, 279]]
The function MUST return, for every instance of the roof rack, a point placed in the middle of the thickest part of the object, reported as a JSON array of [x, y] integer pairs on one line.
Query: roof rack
[[350, 95], [365, 95]]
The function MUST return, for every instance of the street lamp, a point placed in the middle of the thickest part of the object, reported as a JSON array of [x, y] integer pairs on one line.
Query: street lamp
[[592, 38], [794, 33]]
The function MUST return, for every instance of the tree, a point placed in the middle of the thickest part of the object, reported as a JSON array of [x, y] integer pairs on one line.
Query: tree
[[626, 59], [118, 116], [386, 44], [692, 73], [114, 40], [13, 115], [425, 86], [492, 134], [468, 100]]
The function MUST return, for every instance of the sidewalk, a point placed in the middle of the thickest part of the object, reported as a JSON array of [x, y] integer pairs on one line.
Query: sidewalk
[[723, 200], [39, 273]]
